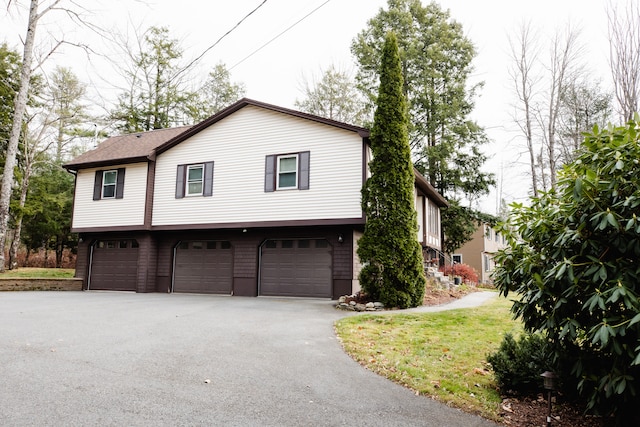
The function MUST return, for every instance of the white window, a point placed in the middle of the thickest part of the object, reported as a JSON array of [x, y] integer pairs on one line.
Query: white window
[[287, 172], [434, 216], [457, 258], [487, 262], [195, 180], [109, 180]]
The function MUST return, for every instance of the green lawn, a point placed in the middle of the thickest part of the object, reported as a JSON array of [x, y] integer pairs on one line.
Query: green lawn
[[39, 273], [441, 355]]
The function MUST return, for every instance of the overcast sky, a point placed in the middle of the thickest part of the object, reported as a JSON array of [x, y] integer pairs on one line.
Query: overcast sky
[[274, 73]]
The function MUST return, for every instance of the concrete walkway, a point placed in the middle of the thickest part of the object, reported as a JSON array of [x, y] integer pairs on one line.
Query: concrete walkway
[[473, 299], [116, 359]]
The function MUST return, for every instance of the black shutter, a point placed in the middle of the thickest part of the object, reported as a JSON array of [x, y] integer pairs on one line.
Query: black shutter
[[120, 183], [303, 170], [208, 179], [180, 182], [270, 174], [97, 186]]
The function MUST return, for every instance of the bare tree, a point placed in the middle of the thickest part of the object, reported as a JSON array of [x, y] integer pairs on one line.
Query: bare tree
[[563, 68], [524, 52], [34, 147], [539, 113], [19, 108], [75, 14], [624, 56]]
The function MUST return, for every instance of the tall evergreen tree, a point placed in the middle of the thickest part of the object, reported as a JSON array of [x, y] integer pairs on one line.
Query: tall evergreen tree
[[64, 95], [334, 95], [155, 84], [389, 250], [159, 93], [216, 93], [436, 59]]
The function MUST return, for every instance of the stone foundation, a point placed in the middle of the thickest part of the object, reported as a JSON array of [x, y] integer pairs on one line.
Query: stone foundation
[[20, 284]]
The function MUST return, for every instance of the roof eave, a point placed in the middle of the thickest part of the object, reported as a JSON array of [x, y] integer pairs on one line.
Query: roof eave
[[102, 163], [429, 190]]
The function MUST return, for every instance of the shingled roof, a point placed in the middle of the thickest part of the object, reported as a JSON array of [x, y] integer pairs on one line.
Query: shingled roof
[[142, 146], [130, 148]]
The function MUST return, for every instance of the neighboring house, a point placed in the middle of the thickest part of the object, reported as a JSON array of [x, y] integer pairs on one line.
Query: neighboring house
[[255, 200], [480, 250]]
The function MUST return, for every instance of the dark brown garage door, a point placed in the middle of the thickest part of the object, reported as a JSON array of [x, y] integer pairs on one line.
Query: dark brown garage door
[[296, 267], [114, 265], [204, 267]]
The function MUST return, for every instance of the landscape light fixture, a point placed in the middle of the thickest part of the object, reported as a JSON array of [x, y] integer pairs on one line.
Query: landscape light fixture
[[549, 382]]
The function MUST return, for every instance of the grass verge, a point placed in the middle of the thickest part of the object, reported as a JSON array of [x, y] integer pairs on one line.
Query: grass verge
[[441, 355], [39, 273]]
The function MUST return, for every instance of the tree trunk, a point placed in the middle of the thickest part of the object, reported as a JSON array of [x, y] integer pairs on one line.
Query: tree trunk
[[524, 53], [59, 250], [15, 244], [529, 137], [20, 106]]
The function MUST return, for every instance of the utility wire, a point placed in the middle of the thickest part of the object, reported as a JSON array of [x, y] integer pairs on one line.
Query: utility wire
[[224, 35], [287, 29]]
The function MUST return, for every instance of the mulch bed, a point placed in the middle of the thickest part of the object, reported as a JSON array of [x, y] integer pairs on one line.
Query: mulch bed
[[532, 412]]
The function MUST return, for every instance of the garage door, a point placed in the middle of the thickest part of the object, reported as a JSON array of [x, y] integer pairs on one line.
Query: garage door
[[114, 265], [296, 267], [204, 267]]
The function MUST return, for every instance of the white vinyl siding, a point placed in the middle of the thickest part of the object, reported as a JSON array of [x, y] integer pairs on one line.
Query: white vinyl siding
[[110, 212], [239, 144]]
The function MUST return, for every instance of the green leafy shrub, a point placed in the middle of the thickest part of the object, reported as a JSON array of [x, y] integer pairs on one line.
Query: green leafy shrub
[[465, 271], [517, 364], [573, 259]]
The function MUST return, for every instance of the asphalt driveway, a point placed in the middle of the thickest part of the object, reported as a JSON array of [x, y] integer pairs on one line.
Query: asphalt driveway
[[125, 359]]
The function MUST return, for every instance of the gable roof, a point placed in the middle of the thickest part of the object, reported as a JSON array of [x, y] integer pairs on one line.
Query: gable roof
[[362, 132], [144, 146]]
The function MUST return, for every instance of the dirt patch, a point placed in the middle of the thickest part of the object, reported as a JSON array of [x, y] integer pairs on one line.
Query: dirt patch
[[434, 295]]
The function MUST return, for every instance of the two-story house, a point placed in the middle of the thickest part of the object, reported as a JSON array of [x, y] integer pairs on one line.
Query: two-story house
[[255, 200], [480, 250]]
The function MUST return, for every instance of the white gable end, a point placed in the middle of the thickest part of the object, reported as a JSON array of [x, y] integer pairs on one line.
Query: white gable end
[[127, 211], [238, 146]]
